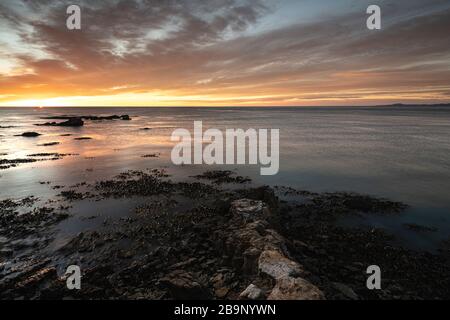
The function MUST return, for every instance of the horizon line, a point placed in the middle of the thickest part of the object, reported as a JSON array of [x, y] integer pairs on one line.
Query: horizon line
[[249, 106]]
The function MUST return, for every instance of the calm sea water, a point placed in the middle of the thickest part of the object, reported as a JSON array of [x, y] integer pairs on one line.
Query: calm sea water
[[401, 153]]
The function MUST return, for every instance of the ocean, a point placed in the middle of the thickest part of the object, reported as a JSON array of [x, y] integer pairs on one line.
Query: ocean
[[400, 153]]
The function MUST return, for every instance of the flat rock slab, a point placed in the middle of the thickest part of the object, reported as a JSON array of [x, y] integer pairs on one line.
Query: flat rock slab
[[277, 266], [289, 288]]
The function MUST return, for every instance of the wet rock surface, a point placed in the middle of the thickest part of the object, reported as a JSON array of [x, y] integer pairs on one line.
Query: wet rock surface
[[192, 240]]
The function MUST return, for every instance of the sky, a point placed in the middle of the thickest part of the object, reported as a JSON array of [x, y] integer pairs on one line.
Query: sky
[[224, 53]]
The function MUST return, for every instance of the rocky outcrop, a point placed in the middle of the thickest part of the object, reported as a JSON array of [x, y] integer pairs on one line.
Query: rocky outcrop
[[256, 248], [71, 122]]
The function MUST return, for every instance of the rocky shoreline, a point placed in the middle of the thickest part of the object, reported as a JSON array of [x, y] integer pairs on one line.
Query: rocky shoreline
[[202, 240]]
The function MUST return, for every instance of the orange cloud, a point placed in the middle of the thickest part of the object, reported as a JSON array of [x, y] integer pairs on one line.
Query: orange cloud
[[215, 53]]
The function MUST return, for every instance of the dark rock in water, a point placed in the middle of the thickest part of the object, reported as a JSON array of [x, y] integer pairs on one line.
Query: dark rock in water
[[48, 144], [183, 286], [71, 122], [83, 138], [125, 117], [146, 129], [151, 155], [30, 134]]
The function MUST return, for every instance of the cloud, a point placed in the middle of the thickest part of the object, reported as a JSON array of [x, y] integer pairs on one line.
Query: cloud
[[213, 50]]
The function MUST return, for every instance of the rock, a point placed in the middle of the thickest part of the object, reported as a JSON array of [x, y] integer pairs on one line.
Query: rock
[[71, 122], [249, 210], [125, 117], [30, 134], [83, 138], [221, 292], [277, 266], [48, 144], [182, 285], [290, 288], [251, 256], [252, 292], [183, 263], [7, 253], [38, 277], [345, 290]]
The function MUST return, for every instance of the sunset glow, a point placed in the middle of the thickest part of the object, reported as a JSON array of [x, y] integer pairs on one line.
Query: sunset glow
[[223, 53]]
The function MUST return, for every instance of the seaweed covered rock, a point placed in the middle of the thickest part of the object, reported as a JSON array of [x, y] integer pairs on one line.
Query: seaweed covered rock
[[182, 285]]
